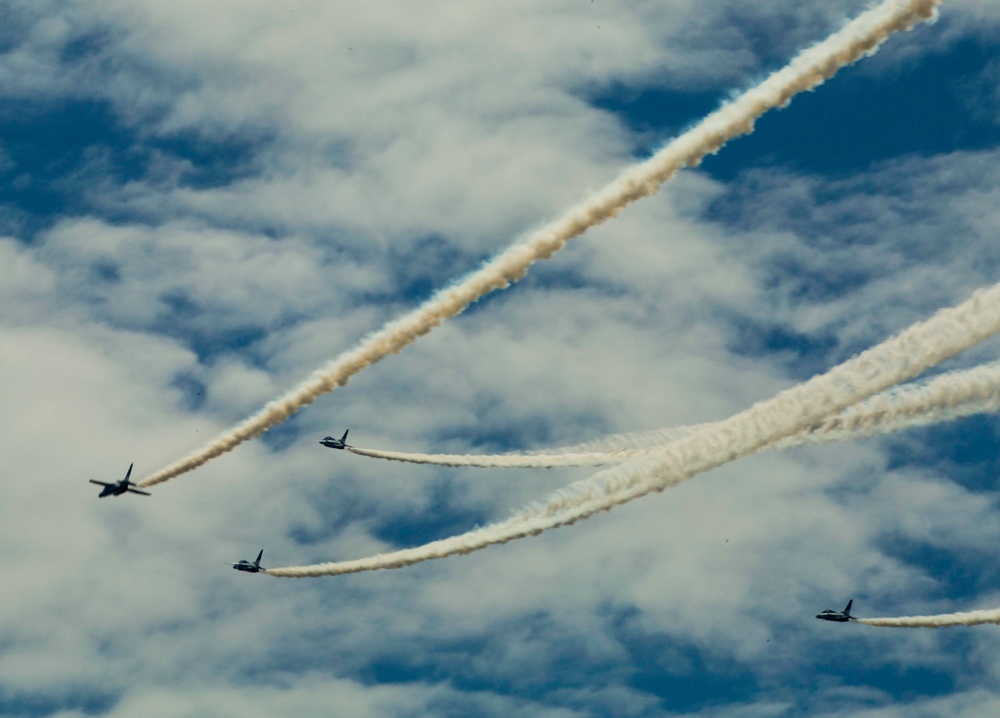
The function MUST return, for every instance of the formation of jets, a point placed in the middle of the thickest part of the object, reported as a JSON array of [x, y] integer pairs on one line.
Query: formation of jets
[[118, 488]]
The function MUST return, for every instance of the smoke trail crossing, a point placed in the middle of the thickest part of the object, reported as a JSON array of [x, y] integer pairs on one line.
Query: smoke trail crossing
[[807, 70], [945, 398], [919, 347], [950, 396]]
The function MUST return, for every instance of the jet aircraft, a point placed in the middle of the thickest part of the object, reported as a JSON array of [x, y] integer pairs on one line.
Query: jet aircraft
[[331, 443], [119, 487], [245, 565], [838, 616]]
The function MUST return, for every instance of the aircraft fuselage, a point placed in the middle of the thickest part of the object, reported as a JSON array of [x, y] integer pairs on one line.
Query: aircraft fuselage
[[837, 616], [332, 442], [830, 615], [119, 487]]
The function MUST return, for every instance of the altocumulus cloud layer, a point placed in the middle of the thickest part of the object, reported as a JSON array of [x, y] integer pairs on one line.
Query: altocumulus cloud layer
[[790, 412], [201, 203], [945, 398], [805, 72]]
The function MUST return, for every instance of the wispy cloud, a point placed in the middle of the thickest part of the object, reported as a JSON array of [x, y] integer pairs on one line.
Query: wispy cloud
[[945, 398], [806, 71], [921, 346]]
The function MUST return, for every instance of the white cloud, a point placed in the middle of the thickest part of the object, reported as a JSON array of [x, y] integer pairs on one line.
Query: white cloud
[[389, 148]]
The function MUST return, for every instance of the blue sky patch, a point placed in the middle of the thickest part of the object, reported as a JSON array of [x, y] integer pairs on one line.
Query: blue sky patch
[[850, 123], [57, 156]]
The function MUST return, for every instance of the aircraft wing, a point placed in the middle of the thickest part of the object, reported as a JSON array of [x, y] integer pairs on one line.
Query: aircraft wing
[[100, 483], [138, 491]]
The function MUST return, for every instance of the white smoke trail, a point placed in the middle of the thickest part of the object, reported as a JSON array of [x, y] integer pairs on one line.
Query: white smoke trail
[[947, 397], [921, 346], [807, 70], [969, 618], [614, 443], [510, 461], [607, 450]]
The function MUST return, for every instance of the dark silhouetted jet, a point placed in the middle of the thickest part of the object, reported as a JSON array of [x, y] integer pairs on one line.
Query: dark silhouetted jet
[[245, 565], [838, 616], [119, 487], [331, 443]]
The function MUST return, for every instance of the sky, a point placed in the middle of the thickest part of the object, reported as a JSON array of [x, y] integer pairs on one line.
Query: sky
[[202, 203]]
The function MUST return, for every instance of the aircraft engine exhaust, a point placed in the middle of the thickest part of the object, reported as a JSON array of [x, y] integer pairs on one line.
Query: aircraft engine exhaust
[[949, 396], [944, 620], [916, 349], [806, 71]]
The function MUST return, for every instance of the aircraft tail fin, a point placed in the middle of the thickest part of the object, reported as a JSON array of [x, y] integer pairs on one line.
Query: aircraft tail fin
[[129, 473], [343, 439], [847, 611], [257, 562]]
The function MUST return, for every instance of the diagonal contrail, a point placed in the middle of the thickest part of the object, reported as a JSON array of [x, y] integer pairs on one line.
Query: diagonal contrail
[[807, 70], [947, 397], [916, 349]]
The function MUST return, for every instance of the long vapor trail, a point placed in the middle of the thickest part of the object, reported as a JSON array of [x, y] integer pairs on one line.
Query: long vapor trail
[[916, 349], [944, 620], [509, 461], [947, 397], [608, 450], [807, 70]]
